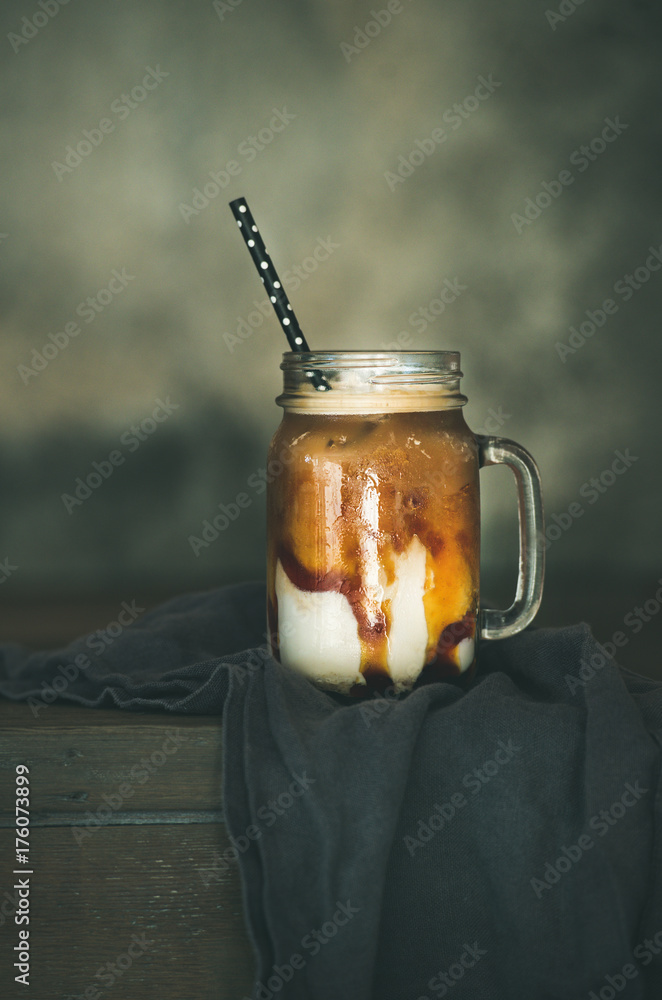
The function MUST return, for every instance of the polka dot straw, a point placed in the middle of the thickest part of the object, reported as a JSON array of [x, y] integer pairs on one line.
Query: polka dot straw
[[272, 283]]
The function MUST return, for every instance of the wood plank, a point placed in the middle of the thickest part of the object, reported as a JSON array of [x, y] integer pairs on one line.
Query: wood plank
[[88, 901], [76, 756], [118, 818]]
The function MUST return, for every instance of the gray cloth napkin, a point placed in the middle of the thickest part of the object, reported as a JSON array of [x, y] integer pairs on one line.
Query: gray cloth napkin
[[502, 842]]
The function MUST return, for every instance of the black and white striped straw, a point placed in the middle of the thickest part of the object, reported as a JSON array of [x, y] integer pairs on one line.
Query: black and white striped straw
[[273, 285]]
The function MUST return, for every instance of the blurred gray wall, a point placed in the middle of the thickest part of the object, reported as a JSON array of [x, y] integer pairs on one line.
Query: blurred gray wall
[[312, 111]]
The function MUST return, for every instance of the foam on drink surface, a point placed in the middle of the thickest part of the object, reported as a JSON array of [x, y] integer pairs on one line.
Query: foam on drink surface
[[373, 570]]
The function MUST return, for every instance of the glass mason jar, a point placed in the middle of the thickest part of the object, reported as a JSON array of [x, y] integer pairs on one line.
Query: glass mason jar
[[373, 533]]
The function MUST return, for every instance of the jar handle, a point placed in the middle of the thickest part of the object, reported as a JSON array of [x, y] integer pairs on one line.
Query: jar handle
[[502, 451]]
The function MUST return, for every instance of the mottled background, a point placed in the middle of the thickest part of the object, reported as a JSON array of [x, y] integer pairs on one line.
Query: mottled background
[[357, 108]]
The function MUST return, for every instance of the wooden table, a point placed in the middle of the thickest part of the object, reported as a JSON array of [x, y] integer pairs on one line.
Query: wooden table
[[127, 890]]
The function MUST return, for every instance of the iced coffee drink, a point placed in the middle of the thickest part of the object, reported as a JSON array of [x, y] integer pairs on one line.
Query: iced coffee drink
[[374, 535], [373, 529]]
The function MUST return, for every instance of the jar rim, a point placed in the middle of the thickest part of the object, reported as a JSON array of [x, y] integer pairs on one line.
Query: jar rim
[[371, 381], [432, 362]]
